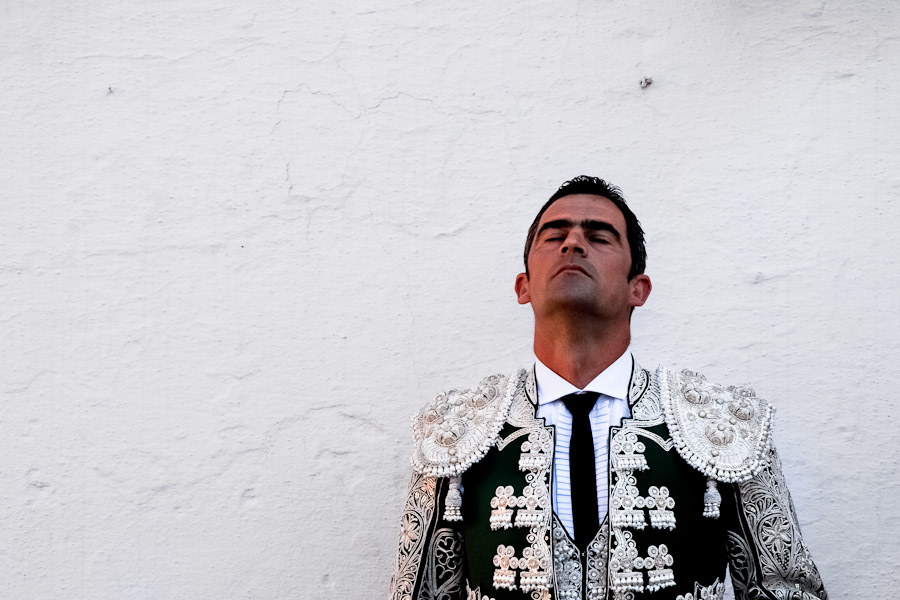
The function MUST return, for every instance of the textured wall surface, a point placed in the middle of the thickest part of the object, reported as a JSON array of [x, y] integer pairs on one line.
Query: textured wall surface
[[240, 244]]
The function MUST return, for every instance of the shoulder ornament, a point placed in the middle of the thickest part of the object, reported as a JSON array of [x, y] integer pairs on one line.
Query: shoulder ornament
[[457, 428], [724, 433]]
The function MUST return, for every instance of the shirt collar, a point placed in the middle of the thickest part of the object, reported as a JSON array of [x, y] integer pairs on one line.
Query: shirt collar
[[613, 381]]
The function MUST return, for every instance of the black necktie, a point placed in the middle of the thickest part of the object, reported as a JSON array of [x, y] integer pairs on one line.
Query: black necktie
[[582, 473]]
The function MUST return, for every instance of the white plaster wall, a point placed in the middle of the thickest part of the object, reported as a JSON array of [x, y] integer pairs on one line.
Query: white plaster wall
[[240, 243]]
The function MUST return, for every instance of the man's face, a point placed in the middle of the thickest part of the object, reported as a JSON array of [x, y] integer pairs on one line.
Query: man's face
[[580, 260]]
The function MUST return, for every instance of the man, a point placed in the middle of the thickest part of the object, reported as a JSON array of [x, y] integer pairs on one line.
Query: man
[[589, 476]]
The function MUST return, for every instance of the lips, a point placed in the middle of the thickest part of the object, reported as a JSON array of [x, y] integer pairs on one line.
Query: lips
[[572, 267]]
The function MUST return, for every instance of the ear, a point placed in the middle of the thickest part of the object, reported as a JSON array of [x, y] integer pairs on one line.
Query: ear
[[640, 289], [522, 288]]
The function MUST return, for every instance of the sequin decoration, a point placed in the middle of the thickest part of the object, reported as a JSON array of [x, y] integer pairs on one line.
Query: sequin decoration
[[623, 559], [501, 507], [532, 508], [626, 506], [535, 567], [660, 504], [537, 450], [658, 561], [506, 563], [627, 452]]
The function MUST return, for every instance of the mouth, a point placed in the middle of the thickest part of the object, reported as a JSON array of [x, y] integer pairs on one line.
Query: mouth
[[570, 268]]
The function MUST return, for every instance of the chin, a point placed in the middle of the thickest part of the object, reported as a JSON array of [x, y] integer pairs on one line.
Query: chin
[[576, 303]]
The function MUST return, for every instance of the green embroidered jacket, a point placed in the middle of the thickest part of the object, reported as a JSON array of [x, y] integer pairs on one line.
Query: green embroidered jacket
[[695, 485]]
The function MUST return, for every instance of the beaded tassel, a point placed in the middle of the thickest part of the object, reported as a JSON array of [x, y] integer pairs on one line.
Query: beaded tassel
[[712, 499], [453, 503], [630, 519]]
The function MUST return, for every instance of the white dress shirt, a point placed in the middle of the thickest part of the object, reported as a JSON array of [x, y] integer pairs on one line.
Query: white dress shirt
[[610, 409]]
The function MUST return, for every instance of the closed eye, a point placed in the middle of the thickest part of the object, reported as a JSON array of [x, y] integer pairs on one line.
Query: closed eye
[[597, 231]]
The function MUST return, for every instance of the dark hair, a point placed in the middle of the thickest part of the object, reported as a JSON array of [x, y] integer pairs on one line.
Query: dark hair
[[595, 186]]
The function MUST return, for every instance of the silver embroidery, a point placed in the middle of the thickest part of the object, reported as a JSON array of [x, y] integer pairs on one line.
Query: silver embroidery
[[537, 450], [623, 561], [567, 564], [417, 513], [501, 507], [568, 568], [536, 557], [532, 507], [476, 594], [531, 386], [626, 506], [627, 452], [521, 412], [506, 563], [785, 564], [535, 566], [740, 563], [644, 394], [444, 571], [535, 512], [665, 444], [716, 591], [521, 416], [658, 561], [457, 428], [597, 563], [660, 504], [626, 509], [722, 432]]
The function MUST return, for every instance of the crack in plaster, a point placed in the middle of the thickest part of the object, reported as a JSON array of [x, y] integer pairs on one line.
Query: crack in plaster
[[23, 387]]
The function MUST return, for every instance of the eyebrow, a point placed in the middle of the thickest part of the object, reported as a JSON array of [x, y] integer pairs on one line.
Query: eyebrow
[[587, 225]]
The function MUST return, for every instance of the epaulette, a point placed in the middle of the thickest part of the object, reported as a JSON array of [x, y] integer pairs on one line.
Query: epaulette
[[457, 428], [723, 432]]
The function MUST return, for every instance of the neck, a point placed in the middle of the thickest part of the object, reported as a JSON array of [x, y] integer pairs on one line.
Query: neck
[[576, 352]]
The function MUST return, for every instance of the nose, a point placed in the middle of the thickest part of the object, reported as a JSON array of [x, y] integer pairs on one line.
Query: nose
[[574, 243]]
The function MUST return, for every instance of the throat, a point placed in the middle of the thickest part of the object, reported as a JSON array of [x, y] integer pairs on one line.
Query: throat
[[579, 358]]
